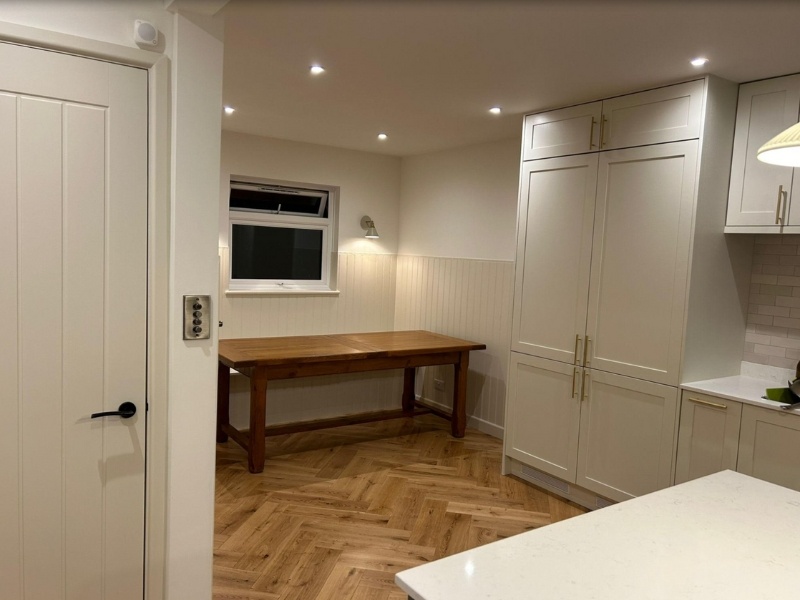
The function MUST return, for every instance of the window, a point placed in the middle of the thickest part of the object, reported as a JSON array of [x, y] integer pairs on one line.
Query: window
[[282, 237]]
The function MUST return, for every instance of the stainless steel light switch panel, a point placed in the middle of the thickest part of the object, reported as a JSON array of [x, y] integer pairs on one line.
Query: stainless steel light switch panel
[[196, 317]]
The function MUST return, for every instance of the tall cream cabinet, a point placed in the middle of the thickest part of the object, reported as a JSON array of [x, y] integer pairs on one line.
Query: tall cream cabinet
[[764, 198], [624, 284]]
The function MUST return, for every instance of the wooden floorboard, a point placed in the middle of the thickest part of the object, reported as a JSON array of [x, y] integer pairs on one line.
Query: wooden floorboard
[[336, 513]]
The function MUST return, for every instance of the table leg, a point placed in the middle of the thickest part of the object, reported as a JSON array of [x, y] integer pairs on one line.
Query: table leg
[[459, 419], [409, 380], [223, 401], [258, 404]]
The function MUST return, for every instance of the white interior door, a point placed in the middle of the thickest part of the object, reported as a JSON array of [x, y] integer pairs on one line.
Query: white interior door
[[73, 266]]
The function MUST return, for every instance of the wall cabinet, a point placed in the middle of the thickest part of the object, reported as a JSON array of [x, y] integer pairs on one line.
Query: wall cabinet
[[666, 114], [708, 439], [760, 196], [769, 446], [605, 243]]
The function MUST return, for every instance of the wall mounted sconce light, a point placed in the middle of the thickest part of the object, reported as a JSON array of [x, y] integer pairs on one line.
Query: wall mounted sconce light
[[369, 225], [783, 149]]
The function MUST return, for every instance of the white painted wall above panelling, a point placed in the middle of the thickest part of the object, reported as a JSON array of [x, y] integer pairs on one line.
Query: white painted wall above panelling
[[105, 21], [461, 203], [369, 183]]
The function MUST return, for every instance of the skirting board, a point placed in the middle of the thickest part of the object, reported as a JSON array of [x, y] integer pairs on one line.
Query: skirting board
[[483, 426], [569, 491]]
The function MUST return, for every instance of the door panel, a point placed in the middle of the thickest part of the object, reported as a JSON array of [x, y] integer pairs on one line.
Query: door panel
[[765, 109], [769, 446], [708, 436], [572, 130], [667, 114], [554, 250], [543, 415], [640, 260], [73, 229], [627, 436]]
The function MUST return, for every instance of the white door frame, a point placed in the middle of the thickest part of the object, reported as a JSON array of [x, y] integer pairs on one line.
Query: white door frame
[[158, 206]]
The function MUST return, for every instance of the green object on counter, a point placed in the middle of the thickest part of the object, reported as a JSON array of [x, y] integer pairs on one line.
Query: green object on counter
[[780, 395]]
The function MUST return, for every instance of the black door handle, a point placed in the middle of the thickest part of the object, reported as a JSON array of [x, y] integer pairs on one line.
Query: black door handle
[[126, 411]]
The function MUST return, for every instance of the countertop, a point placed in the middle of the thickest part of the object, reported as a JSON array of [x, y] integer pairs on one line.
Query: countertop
[[725, 536], [738, 387]]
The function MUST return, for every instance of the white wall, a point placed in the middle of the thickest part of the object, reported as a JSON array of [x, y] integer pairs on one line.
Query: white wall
[[110, 21], [369, 183], [196, 110], [461, 203]]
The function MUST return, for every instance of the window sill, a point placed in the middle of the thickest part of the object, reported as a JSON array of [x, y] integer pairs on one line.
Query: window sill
[[283, 292]]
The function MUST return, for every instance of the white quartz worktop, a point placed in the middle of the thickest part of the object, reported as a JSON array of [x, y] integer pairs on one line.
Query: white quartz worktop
[[738, 387], [725, 536]]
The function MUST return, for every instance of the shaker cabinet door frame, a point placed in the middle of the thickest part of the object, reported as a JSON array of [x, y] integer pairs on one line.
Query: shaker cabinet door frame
[[554, 253], [760, 193], [640, 260], [561, 132]]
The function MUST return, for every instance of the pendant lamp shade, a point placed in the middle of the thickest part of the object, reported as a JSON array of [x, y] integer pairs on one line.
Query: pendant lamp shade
[[783, 149]]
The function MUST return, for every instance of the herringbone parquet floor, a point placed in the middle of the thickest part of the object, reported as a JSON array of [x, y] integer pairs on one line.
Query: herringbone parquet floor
[[336, 513]]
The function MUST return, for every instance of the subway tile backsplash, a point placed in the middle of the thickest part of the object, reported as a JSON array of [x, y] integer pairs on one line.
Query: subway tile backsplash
[[773, 320]]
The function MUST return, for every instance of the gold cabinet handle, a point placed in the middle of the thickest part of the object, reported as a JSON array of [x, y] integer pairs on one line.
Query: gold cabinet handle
[[574, 377], [577, 340], [586, 350], [591, 134], [603, 127], [585, 395], [778, 211], [707, 403]]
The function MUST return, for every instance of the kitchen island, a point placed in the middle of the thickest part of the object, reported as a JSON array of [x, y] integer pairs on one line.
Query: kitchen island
[[724, 536]]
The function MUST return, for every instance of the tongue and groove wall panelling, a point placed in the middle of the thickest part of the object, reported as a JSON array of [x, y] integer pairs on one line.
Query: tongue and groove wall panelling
[[469, 299]]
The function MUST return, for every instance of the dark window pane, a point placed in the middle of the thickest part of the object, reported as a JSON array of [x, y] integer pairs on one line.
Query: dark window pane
[[289, 200], [259, 252]]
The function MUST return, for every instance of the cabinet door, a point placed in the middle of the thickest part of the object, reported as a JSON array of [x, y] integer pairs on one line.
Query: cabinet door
[[769, 446], [640, 260], [543, 415], [554, 245], [765, 109], [561, 132], [708, 436], [627, 436], [667, 114]]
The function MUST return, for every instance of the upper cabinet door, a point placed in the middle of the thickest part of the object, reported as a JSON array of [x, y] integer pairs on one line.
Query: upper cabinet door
[[760, 193], [667, 114], [572, 130], [640, 260], [554, 249]]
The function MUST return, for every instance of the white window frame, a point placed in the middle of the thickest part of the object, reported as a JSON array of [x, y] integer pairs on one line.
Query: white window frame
[[328, 225]]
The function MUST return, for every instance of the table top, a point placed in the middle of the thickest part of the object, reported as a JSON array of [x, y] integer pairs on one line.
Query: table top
[[272, 351], [725, 536]]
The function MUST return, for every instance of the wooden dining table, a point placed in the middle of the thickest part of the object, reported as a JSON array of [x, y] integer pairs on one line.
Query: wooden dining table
[[265, 359]]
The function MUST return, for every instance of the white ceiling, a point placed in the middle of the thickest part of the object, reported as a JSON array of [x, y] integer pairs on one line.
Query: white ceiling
[[427, 71]]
